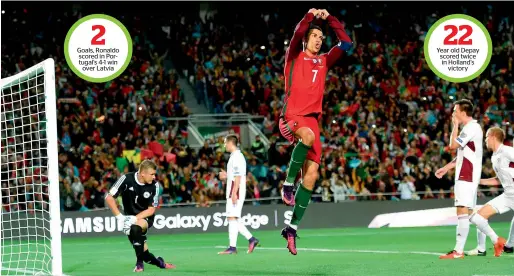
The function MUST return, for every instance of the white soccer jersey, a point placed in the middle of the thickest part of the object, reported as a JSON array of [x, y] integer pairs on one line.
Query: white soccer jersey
[[469, 154], [503, 165], [236, 167]]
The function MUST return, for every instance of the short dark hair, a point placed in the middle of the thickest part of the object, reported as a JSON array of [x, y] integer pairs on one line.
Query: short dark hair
[[311, 28], [232, 138], [466, 106]]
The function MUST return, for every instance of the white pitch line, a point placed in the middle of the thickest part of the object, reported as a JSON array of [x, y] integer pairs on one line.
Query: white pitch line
[[309, 235], [26, 271], [349, 250], [365, 251]]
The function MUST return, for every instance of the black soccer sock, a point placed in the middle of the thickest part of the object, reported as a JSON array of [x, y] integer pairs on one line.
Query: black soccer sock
[[136, 235], [149, 258]]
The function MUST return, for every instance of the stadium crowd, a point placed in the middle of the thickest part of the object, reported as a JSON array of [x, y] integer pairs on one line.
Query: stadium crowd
[[386, 116], [386, 119]]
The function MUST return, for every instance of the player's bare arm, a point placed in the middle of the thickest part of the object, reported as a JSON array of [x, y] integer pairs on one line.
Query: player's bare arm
[[223, 175], [494, 181], [442, 171], [111, 203], [146, 213], [295, 46], [110, 199], [345, 42], [235, 189]]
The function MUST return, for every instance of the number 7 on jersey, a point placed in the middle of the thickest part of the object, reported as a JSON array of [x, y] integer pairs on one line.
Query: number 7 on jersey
[[315, 71]]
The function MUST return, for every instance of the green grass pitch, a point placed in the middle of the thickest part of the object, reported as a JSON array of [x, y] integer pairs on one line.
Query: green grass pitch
[[350, 251]]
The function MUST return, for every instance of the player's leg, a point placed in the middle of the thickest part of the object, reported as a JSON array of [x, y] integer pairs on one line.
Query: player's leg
[[137, 239], [302, 199], [296, 128], [310, 167], [496, 206], [509, 246], [481, 242], [304, 192], [233, 229], [252, 241], [481, 236], [306, 137], [480, 250], [148, 257], [464, 200]]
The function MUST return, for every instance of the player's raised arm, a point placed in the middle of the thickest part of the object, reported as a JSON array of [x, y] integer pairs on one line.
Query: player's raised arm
[[456, 140], [295, 46], [462, 112], [345, 42]]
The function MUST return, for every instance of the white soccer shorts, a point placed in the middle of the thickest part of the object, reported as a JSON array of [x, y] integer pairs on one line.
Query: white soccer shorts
[[465, 194], [502, 204], [234, 210]]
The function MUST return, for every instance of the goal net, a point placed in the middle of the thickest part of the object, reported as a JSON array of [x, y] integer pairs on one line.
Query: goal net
[[30, 235]]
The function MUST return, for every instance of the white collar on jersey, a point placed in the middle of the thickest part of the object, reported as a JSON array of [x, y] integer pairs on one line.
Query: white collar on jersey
[[472, 121], [498, 149], [137, 181], [234, 152]]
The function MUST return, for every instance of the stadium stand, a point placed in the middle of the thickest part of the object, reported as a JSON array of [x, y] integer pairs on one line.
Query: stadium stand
[[385, 122]]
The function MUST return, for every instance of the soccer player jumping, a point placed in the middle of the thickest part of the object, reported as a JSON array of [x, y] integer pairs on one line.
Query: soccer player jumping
[[140, 195], [305, 73]]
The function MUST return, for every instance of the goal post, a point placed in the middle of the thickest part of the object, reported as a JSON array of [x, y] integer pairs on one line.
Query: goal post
[[30, 230]]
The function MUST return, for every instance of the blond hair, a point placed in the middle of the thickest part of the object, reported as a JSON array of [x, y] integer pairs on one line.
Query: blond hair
[[497, 133], [147, 164]]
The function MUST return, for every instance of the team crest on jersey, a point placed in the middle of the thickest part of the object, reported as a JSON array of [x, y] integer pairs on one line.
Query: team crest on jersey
[[146, 194]]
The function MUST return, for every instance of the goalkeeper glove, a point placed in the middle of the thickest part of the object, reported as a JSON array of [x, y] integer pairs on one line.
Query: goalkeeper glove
[[127, 221]]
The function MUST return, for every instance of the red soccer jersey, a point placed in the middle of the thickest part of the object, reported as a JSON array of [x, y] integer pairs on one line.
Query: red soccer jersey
[[305, 75], [305, 84]]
